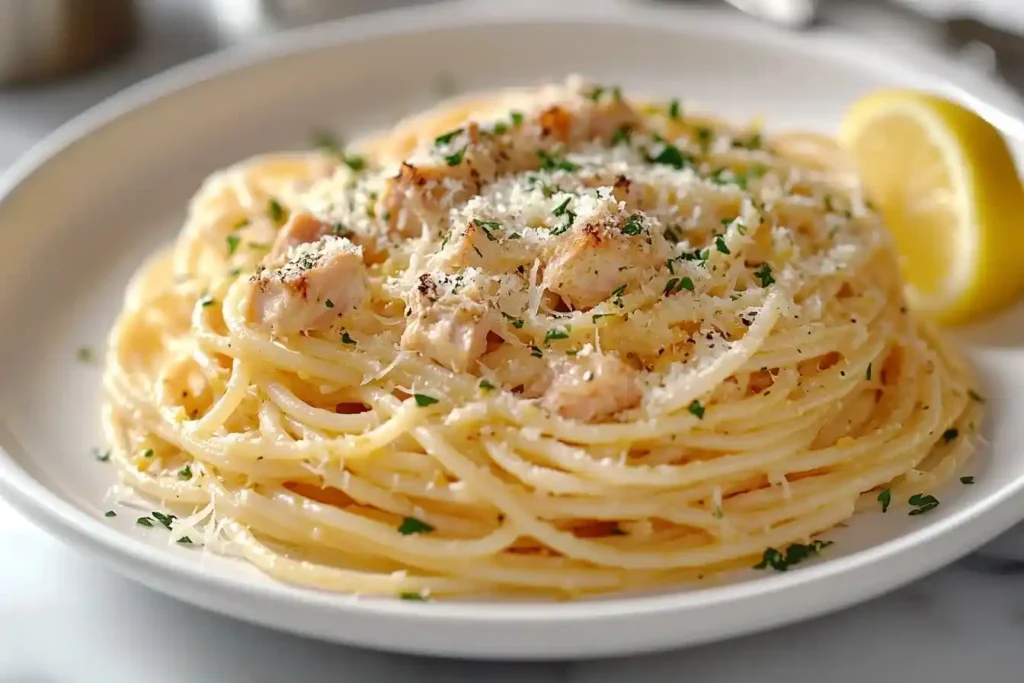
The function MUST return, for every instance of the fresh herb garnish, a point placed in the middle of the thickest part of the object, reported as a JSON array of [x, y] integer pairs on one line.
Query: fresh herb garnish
[[422, 400], [446, 137], [148, 453], [618, 291], [704, 138], [412, 596], [84, 354], [697, 410], [346, 339], [677, 284], [535, 352], [110, 513], [486, 227], [276, 212], [456, 158], [486, 386], [675, 111], [516, 322], [185, 540], [561, 208], [185, 472], [328, 303], [795, 554], [885, 497], [623, 135], [950, 434], [867, 373], [144, 521], [764, 274], [516, 117], [967, 480], [555, 333], [634, 225], [101, 456], [595, 93], [164, 519], [549, 162], [411, 525], [207, 301], [233, 241], [671, 156], [720, 245], [922, 503]]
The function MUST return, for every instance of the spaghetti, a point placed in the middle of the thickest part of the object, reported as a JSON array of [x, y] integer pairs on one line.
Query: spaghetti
[[546, 343]]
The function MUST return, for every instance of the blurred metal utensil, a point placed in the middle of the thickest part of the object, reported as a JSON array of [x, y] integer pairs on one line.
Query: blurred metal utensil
[[793, 14], [42, 39]]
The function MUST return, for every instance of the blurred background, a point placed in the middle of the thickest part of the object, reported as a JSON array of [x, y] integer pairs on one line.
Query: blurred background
[[58, 57]]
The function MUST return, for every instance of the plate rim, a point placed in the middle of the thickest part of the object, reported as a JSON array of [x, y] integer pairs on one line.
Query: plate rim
[[982, 519]]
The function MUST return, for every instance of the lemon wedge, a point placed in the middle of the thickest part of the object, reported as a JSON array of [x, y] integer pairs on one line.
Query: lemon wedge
[[946, 186]]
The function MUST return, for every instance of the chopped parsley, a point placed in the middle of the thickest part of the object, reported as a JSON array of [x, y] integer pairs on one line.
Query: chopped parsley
[[185, 472], [677, 284], [411, 525], [555, 333], [185, 540], [516, 117], [596, 93], [950, 434], [233, 241], [101, 456], [795, 554], [623, 135], [346, 339], [675, 111], [561, 208], [619, 291], [671, 156], [720, 245], [764, 274], [110, 513], [549, 162], [570, 218], [486, 386], [975, 395], [84, 354], [486, 227], [326, 141], [339, 230], [867, 373], [697, 410], [456, 158], [967, 480], [164, 519], [148, 453], [884, 498], [516, 322], [704, 138], [144, 521], [922, 503], [276, 212], [446, 137], [207, 301], [412, 596], [422, 400], [328, 303], [634, 225], [535, 352]]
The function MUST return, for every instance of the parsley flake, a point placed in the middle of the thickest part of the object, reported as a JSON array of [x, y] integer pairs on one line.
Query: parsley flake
[[623, 135], [795, 554], [922, 503], [411, 525], [84, 354], [446, 137], [164, 519], [549, 162], [950, 434], [110, 513], [595, 93], [516, 322], [671, 156], [516, 117], [619, 291], [967, 480], [455, 159], [101, 456], [720, 245], [867, 373], [486, 386], [697, 410], [233, 241], [276, 212], [884, 498], [144, 521], [633, 226], [148, 453], [561, 208], [764, 274], [412, 596], [422, 400], [185, 472], [207, 301], [555, 333], [675, 111], [185, 540], [328, 303], [346, 339], [535, 352]]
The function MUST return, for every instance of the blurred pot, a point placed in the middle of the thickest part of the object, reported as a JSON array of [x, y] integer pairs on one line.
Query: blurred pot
[[42, 39]]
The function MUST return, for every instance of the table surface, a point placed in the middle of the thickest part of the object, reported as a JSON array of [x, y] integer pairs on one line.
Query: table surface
[[66, 619]]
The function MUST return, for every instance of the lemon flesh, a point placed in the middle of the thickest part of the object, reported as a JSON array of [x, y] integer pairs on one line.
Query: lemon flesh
[[947, 187]]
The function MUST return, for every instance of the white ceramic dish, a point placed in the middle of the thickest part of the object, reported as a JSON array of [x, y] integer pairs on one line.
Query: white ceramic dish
[[84, 208]]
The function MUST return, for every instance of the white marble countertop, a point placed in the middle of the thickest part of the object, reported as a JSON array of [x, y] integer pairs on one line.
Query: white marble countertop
[[66, 619]]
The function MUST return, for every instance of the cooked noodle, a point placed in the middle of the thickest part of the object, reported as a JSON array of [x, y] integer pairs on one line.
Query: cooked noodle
[[637, 357]]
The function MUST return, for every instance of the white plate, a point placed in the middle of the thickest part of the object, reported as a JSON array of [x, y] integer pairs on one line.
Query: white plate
[[79, 214]]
